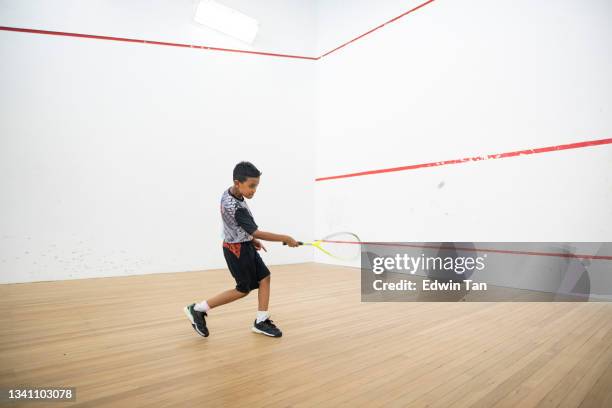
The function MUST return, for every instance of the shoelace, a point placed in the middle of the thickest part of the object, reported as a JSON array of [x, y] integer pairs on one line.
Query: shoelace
[[269, 323]]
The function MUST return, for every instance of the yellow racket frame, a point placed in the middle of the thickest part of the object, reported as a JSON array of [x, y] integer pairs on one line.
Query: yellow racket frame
[[317, 244]]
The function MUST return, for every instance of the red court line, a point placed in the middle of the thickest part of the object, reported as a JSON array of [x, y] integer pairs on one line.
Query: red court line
[[204, 47], [378, 27], [134, 40], [576, 145], [499, 251]]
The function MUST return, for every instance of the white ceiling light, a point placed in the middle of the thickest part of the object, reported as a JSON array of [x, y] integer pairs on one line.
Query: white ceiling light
[[226, 20]]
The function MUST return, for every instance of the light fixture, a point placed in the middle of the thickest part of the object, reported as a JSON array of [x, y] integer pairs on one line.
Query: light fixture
[[226, 20]]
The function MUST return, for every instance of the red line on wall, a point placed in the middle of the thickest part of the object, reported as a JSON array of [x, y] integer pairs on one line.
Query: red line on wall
[[133, 40], [577, 145], [378, 27], [204, 47], [498, 251]]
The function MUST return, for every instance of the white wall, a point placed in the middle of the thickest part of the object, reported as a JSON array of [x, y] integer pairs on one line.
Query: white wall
[[458, 79], [113, 156]]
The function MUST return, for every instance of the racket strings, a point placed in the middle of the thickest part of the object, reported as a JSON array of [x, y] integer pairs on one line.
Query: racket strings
[[344, 246]]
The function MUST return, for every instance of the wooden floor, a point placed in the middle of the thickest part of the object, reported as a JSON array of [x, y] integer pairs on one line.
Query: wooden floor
[[124, 342]]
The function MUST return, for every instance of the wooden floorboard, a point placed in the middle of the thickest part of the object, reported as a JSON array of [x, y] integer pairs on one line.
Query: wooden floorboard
[[124, 341]]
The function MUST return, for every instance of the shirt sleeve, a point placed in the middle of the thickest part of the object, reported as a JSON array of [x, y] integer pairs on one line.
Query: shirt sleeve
[[245, 220]]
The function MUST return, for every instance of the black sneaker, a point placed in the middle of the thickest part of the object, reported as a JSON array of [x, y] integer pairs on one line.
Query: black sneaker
[[198, 322], [267, 327]]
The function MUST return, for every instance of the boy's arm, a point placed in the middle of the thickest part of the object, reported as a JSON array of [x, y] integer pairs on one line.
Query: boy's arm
[[247, 223], [270, 236]]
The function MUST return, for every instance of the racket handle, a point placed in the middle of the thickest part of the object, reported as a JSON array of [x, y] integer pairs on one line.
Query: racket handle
[[299, 243]]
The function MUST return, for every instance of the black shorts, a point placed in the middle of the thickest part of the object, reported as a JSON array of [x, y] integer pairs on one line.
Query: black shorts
[[245, 264]]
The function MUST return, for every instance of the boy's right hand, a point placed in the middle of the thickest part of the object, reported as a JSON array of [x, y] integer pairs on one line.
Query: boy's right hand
[[290, 242]]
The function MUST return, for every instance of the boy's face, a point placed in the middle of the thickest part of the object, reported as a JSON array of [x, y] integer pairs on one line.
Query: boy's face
[[248, 187]]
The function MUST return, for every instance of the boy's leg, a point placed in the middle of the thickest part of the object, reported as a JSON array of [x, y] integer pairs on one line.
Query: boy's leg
[[225, 297], [263, 295], [263, 324]]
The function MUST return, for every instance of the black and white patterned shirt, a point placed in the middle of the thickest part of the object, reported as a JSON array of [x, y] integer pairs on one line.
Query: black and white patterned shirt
[[238, 222]]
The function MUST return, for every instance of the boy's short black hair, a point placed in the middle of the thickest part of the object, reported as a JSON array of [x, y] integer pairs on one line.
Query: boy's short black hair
[[245, 169]]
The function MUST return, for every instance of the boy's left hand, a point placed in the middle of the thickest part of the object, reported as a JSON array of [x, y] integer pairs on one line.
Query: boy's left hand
[[258, 245]]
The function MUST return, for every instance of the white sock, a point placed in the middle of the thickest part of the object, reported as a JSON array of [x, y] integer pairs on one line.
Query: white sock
[[262, 315], [201, 307]]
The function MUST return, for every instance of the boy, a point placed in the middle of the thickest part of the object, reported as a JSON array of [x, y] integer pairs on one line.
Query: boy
[[240, 245]]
